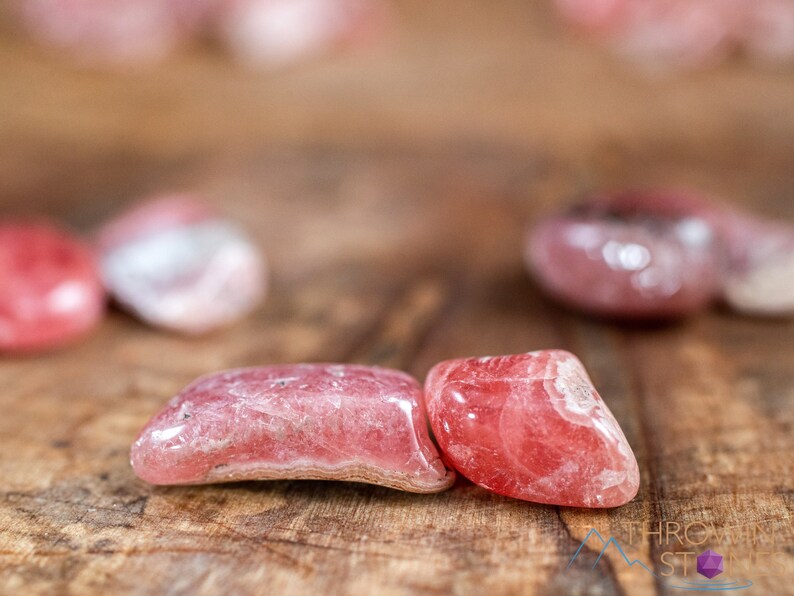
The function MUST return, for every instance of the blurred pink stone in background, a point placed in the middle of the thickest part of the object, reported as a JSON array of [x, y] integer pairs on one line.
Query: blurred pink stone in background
[[129, 32], [276, 32], [662, 34], [755, 254], [51, 289], [615, 261], [139, 32], [176, 264]]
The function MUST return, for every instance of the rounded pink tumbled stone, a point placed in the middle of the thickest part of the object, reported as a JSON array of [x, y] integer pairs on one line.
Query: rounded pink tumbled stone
[[755, 256], [51, 288], [301, 421], [176, 264], [616, 262], [531, 426]]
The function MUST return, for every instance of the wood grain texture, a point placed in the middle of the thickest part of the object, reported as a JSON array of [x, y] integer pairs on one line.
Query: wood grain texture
[[392, 216]]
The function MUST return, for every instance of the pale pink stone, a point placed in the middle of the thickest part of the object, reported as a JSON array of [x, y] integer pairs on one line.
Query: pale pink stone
[[304, 421], [615, 262], [677, 33], [177, 264], [532, 427], [278, 32], [767, 29], [760, 279], [686, 33], [52, 293], [114, 31]]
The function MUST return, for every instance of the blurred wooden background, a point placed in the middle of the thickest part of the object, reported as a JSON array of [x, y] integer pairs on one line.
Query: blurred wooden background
[[390, 190]]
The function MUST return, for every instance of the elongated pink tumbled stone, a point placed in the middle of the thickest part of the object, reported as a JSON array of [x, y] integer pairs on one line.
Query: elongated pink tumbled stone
[[50, 288], [533, 427], [303, 421], [177, 264]]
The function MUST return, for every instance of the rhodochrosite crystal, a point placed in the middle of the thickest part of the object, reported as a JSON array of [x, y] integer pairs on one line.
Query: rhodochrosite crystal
[[304, 421], [531, 426], [51, 288], [276, 32], [618, 262], [176, 264]]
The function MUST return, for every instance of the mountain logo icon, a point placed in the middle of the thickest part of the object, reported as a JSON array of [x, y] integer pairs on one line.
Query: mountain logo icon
[[605, 545]]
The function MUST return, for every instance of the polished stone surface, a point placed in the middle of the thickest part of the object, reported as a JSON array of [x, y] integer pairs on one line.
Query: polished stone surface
[[533, 427], [303, 421]]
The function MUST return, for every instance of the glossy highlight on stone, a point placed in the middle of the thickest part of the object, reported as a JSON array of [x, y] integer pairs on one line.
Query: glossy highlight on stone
[[531, 426], [176, 264], [302, 421], [615, 261], [52, 293]]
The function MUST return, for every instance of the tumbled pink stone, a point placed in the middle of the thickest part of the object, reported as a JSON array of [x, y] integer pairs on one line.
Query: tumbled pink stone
[[532, 427], [612, 261], [177, 264], [278, 32], [51, 288], [659, 34], [760, 277], [686, 33], [755, 256], [304, 421], [767, 29], [100, 32]]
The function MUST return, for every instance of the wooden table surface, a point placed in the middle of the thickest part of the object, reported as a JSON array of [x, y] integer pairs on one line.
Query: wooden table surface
[[390, 190]]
